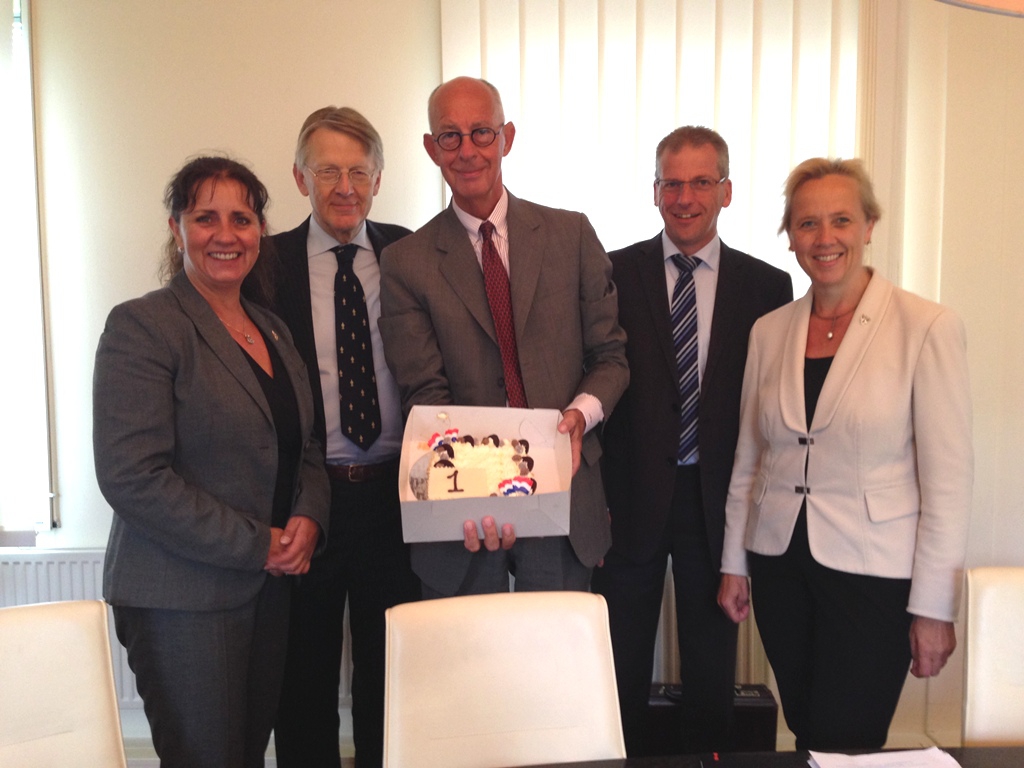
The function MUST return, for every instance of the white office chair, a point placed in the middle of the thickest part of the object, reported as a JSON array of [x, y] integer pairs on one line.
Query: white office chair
[[496, 680], [58, 708], [994, 657]]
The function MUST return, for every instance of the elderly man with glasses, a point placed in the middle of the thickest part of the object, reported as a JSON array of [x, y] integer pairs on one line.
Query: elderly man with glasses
[[687, 302], [327, 289], [498, 301]]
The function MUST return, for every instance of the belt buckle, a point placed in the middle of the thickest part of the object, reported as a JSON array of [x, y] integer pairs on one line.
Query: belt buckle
[[356, 473]]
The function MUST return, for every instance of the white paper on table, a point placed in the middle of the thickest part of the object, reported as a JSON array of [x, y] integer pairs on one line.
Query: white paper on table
[[933, 757]]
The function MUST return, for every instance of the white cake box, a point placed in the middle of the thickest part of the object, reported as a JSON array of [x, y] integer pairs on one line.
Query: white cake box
[[544, 513]]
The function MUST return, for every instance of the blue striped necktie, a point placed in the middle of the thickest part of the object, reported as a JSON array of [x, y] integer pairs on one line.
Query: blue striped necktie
[[684, 338]]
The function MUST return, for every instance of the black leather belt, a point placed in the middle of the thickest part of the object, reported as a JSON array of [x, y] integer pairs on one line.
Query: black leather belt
[[361, 473]]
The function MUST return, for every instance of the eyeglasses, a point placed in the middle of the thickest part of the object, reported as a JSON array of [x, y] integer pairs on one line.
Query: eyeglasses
[[357, 177], [482, 137], [674, 187]]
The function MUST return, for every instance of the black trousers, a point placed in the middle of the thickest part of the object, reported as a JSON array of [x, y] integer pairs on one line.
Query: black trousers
[[366, 564], [707, 638], [209, 680], [838, 643]]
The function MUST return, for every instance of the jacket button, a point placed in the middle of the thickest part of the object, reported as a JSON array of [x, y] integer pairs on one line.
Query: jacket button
[[675, 407], [501, 382], [671, 461]]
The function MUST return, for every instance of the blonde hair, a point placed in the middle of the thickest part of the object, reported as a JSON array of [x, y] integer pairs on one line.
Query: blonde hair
[[819, 167]]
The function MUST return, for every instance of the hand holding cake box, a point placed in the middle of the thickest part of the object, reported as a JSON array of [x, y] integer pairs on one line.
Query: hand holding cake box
[[466, 463]]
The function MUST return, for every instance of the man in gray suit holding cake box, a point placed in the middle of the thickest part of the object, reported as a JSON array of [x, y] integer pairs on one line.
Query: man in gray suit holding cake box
[[498, 301]]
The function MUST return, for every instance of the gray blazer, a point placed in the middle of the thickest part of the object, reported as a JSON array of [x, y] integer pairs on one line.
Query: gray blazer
[[186, 453], [440, 342]]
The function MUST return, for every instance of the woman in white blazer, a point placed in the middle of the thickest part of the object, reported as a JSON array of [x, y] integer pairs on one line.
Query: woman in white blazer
[[849, 500], [204, 448]]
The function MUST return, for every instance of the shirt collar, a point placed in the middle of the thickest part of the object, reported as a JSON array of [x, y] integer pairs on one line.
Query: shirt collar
[[319, 242], [498, 217], [710, 254]]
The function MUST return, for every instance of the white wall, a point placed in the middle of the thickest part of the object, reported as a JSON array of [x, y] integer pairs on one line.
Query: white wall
[[948, 94], [127, 90], [982, 275], [983, 262]]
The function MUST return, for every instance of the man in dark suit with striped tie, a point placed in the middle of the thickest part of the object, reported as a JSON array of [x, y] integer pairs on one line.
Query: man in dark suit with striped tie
[[327, 289], [687, 302]]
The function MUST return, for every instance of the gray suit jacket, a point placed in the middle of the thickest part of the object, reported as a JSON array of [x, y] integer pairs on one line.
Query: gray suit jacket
[[440, 342], [186, 453]]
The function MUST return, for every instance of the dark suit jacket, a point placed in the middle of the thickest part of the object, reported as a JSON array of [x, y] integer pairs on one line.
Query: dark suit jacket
[[642, 436], [186, 453], [291, 299], [440, 342]]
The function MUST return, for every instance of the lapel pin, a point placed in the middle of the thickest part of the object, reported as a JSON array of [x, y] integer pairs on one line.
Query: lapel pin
[[274, 334], [864, 319]]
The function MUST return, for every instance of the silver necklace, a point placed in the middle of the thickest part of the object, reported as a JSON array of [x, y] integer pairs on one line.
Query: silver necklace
[[832, 329], [249, 339]]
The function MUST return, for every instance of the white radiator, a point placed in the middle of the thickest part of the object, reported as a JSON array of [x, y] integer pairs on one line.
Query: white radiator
[[50, 575], [47, 575]]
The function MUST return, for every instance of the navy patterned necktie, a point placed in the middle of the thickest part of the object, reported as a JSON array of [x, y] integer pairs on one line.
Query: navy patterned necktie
[[357, 381], [499, 296], [684, 338]]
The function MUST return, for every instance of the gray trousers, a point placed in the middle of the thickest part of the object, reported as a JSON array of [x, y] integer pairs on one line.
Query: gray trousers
[[210, 681]]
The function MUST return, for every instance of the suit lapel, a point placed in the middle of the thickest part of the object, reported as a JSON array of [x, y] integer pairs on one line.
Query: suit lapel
[[729, 291], [525, 258], [863, 327], [376, 239], [295, 367], [217, 338], [791, 377], [650, 267], [462, 271], [293, 282]]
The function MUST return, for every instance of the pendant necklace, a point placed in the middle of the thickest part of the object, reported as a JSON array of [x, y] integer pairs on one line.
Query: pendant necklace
[[832, 329], [250, 340]]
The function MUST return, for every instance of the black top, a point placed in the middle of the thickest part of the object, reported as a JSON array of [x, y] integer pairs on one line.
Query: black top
[[815, 371], [285, 411]]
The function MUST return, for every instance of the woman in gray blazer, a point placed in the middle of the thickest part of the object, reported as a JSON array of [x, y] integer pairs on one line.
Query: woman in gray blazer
[[202, 432], [851, 488]]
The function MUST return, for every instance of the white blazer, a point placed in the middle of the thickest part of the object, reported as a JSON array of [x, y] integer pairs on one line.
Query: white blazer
[[889, 460]]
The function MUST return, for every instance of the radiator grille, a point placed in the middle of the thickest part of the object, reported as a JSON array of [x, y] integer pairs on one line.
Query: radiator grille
[[44, 576]]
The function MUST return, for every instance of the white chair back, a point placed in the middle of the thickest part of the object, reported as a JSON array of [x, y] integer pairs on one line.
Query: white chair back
[[495, 680], [58, 708], [994, 658]]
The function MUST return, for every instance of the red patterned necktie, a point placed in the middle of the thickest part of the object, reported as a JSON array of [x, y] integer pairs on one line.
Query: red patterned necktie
[[500, 298]]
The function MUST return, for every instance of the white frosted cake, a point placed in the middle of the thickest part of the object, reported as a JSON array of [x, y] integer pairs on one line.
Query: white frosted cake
[[464, 467]]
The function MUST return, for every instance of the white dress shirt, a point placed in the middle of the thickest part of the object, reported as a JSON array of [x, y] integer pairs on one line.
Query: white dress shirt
[[323, 266]]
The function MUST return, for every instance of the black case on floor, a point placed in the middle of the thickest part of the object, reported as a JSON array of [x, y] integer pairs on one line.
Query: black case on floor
[[756, 720]]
